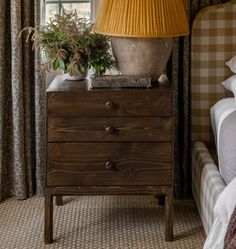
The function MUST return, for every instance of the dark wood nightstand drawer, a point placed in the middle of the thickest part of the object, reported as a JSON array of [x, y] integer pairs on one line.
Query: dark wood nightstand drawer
[[126, 129], [71, 164], [113, 103]]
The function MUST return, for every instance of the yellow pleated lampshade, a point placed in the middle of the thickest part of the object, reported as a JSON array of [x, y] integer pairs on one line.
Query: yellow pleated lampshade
[[142, 18]]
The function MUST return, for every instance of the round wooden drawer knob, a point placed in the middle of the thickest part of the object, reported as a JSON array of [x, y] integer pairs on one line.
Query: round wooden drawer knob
[[110, 130], [109, 105], [109, 165]]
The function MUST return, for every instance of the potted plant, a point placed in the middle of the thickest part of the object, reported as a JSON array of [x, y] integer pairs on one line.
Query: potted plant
[[69, 44]]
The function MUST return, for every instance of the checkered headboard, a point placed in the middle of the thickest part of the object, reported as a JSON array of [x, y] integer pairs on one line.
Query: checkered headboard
[[213, 43]]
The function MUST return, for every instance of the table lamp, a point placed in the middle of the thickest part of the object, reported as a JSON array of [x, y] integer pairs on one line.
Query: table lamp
[[141, 33]]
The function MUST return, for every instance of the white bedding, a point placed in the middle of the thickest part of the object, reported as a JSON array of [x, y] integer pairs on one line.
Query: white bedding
[[222, 212], [223, 120], [219, 112]]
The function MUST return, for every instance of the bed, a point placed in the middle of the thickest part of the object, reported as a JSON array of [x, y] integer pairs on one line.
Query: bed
[[213, 43]]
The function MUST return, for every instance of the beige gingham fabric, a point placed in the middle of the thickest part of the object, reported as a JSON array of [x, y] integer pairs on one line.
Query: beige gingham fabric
[[207, 183], [213, 43]]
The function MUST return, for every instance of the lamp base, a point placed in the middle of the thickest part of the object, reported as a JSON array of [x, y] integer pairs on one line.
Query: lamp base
[[142, 56]]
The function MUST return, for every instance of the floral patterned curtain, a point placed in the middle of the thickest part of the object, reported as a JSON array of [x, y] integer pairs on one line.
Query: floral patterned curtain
[[21, 104]]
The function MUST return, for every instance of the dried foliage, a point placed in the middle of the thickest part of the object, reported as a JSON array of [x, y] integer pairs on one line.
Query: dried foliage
[[70, 44]]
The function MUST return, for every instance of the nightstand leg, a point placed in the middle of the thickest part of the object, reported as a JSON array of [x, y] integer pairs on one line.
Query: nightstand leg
[[48, 223], [161, 200], [59, 200], [169, 213]]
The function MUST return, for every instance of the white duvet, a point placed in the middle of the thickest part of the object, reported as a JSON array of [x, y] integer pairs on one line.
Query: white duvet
[[223, 120], [222, 212], [219, 112]]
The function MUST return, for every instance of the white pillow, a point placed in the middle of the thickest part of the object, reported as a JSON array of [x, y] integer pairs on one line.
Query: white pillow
[[232, 64], [230, 84]]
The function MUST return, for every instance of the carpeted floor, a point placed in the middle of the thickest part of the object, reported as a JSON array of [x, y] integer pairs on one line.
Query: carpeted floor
[[99, 222]]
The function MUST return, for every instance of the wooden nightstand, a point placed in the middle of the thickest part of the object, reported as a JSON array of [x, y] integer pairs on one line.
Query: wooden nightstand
[[108, 141]]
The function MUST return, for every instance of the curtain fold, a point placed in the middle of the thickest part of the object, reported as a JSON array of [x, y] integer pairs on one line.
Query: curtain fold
[[179, 73], [22, 104]]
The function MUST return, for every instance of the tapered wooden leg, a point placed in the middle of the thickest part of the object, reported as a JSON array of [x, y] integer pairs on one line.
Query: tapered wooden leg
[[48, 215], [169, 214], [59, 200]]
